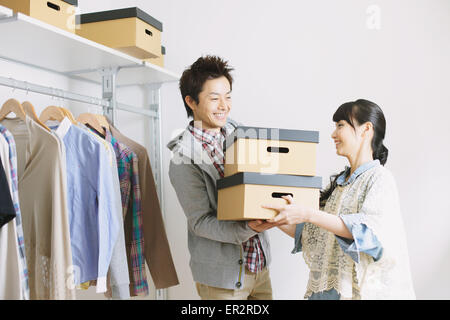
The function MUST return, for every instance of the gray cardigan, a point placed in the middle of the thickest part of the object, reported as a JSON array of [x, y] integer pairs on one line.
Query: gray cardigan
[[215, 246]]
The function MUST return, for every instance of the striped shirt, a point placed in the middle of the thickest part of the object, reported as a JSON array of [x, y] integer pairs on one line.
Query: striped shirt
[[15, 198], [127, 165]]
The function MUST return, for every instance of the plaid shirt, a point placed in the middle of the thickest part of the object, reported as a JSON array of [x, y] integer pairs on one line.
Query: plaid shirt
[[212, 143], [127, 165], [15, 198]]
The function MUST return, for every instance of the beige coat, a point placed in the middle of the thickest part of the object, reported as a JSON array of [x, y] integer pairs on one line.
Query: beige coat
[[42, 195]]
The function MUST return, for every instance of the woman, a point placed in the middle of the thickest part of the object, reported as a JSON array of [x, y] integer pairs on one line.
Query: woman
[[355, 245]]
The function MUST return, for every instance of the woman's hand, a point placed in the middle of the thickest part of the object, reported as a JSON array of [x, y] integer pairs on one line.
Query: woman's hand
[[290, 213]]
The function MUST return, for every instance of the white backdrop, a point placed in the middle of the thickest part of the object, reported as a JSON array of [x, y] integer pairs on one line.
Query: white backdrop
[[296, 62]]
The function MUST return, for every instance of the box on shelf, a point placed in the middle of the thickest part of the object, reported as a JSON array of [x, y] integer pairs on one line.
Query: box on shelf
[[271, 150], [129, 30], [241, 196], [160, 60], [59, 13]]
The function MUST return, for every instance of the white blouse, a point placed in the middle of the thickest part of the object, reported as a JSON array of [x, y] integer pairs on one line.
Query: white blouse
[[372, 200]]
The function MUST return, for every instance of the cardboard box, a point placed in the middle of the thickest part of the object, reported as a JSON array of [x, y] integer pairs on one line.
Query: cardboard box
[[271, 150], [240, 196], [129, 30], [59, 13], [160, 60]]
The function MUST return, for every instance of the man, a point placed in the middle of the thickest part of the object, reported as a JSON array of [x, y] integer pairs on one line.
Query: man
[[229, 259]]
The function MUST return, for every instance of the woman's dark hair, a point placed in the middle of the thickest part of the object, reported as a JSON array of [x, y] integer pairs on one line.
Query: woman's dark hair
[[361, 111], [193, 78]]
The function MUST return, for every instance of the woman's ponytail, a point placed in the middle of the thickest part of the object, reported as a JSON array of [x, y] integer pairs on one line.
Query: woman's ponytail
[[381, 154]]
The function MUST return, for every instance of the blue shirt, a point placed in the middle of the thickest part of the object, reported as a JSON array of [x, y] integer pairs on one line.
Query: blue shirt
[[94, 226], [363, 238]]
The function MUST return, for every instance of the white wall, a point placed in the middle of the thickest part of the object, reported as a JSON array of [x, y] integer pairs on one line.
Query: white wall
[[296, 62]]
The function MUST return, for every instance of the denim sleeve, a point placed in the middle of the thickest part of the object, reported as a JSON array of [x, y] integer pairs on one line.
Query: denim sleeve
[[364, 240], [298, 238]]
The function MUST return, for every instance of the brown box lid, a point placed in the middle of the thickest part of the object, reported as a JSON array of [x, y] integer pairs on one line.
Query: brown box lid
[[283, 180], [72, 2], [244, 132], [133, 12]]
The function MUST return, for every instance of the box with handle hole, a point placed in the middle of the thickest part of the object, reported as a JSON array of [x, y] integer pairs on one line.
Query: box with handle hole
[[159, 61], [241, 195], [129, 30], [59, 13], [271, 150]]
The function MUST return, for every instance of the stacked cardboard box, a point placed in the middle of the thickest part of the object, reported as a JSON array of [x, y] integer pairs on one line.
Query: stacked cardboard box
[[159, 61], [129, 30], [60, 13], [264, 164]]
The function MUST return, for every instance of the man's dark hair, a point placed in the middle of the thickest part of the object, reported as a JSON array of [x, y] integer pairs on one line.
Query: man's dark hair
[[193, 78]]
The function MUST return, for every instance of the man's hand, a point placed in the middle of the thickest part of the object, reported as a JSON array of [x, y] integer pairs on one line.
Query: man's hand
[[261, 225]]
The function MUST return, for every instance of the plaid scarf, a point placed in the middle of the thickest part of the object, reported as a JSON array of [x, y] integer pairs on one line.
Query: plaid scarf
[[212, 143]]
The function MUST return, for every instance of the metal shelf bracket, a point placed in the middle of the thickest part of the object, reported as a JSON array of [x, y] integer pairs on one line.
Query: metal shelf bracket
[[109, 91]]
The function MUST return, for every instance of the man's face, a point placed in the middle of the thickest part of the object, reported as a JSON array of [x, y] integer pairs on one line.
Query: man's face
[[214, 104]]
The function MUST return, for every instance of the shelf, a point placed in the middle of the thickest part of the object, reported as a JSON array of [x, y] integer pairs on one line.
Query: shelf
[[137, 75], [5, 12], [34, 43]]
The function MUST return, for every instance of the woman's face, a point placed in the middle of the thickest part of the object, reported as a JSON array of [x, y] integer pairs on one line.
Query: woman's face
[[347, 140]]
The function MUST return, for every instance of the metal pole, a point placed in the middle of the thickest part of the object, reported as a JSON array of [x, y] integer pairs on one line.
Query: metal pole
[[141, 111], [157, 163], [66, 95], [30, 87]]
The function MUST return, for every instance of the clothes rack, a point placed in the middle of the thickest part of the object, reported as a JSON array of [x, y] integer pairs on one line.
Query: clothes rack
[[67, 95], [74, 57], [108, 109]]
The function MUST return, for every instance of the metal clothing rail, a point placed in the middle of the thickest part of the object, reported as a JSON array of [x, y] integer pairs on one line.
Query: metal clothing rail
[[67, 95], [109, 105]]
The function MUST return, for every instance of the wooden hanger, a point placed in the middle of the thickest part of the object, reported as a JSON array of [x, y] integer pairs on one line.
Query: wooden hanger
[[91, 119], [102, 120], [69, 115], [52, 113], [29, 110], [12, 106]]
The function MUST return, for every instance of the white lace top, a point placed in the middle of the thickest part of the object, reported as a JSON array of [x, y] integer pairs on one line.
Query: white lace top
[[372, 199]]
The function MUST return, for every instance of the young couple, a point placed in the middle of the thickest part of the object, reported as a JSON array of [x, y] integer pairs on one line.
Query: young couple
[[354, 246]]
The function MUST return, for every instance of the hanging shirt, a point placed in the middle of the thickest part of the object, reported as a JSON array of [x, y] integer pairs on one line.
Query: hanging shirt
[[212, 143], [120, 280], [156, 250], [7, 212], [43, 203], [10, 264], [94, 225], [127, 165], [10, 161]]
